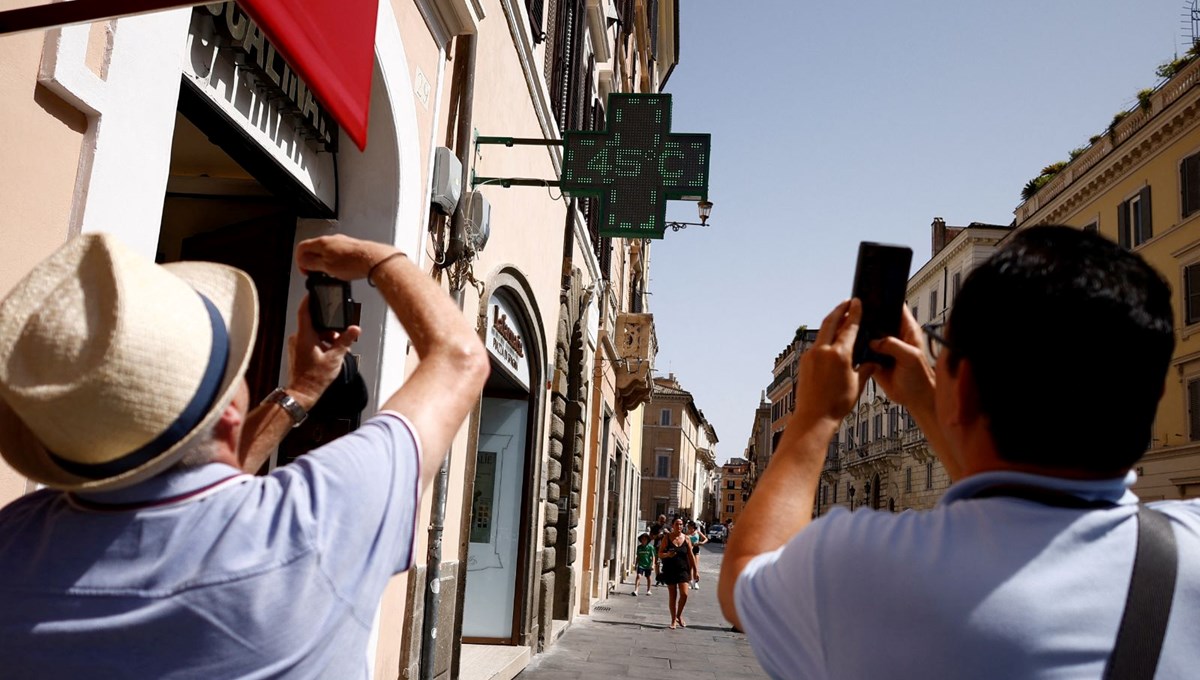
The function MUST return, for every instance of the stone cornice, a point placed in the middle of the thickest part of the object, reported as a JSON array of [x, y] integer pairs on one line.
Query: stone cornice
[[1174, 109], [970, 236]]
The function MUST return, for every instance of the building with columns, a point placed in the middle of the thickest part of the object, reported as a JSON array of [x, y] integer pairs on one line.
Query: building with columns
[[878, 457]]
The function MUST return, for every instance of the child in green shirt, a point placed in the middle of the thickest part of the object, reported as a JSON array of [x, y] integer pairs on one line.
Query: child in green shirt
[[645, 562]]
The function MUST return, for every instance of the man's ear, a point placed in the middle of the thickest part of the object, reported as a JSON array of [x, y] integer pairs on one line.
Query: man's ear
[[229, 428], [966, 395]]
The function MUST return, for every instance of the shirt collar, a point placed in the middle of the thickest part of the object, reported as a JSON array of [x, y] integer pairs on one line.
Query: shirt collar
[[174, 482], [1116, 489]]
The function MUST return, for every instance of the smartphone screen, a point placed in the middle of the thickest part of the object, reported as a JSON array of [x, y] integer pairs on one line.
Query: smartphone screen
[[880, 281], [328, 298]]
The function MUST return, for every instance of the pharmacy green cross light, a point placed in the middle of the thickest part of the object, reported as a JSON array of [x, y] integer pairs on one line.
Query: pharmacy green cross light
[[635, 165]]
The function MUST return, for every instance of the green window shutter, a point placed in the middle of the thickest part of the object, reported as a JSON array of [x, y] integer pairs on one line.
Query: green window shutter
[[1144, 207], [1191, 288], [1193, 393], [1123, 224], [1189, 184]]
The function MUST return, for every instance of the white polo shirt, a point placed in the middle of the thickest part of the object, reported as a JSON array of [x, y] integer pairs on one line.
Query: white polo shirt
[[976, 588]]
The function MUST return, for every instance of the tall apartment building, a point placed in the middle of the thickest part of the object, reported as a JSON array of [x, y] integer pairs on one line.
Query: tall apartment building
[[735, 489], [878, 457], [1138, 183], [677, 443]]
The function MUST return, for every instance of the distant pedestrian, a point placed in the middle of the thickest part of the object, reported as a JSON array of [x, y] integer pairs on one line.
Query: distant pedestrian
[[657, 531], [645, 562], [678, 569], [698, 539]]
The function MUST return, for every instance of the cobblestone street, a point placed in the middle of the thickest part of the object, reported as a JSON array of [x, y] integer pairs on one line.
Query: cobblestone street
[[628, 637]]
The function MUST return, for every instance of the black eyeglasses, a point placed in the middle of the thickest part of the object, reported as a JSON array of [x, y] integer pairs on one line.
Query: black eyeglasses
[[934, 341]]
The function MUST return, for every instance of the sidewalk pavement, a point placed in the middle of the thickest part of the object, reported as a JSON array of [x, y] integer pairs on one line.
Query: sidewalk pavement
[[628, 637]]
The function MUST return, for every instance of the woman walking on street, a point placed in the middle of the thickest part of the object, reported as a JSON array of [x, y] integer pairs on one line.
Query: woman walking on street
[[697, 539], [678, 569]]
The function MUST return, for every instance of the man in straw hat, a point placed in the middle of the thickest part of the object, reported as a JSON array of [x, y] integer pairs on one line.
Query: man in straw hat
[[152, 553]]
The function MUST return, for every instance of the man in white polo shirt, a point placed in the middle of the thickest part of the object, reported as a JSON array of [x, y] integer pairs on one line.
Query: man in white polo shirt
[[1039, 399], [152, 554]]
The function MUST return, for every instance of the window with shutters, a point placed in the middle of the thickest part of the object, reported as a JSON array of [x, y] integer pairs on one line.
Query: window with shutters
[[835, 490], [1191, 293], [537, 10], [1092, 227], [664, 466], [917, 313], [1133, 220], [928, 476], [1189, 184], [1193, 396], [908, 479], [879, 425], [933, 299], [957, 283], [863, 434], [665, 417], [564, 71]]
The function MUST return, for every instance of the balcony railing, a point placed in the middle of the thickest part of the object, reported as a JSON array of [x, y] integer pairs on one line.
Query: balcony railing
[[1132, 122], [912, 437], [780, 379]]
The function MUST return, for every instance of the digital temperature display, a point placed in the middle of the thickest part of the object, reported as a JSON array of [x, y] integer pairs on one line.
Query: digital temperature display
[[636, 165]]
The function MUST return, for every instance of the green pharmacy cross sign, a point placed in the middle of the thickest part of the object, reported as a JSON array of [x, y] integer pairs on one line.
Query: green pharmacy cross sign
[[635, 165]]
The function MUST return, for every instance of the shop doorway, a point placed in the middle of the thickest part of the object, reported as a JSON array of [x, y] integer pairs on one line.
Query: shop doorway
[[500, 505], [217, 210], [494, 553]]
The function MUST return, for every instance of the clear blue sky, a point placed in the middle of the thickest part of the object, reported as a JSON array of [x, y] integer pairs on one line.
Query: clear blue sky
[[836, 122]]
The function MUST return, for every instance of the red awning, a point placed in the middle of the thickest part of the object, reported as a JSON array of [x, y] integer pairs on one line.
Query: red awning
[[330, 43]]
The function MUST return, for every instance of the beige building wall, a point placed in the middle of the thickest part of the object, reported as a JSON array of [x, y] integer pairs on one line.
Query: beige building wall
[[38, 177]]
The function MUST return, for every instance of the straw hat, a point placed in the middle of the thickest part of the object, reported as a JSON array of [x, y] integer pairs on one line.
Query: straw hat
[[110, 364]]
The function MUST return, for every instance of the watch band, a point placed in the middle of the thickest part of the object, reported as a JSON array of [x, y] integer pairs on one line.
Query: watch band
[[289, 405]]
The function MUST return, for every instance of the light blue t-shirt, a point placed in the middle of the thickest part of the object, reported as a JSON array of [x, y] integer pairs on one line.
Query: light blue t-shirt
[[256, 577], [976, 588]]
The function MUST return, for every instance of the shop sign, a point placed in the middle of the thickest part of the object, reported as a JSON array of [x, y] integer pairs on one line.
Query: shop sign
[[504, 340], [231, 62]]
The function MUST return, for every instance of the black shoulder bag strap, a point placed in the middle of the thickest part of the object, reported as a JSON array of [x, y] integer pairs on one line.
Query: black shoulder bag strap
[[1151, 587]]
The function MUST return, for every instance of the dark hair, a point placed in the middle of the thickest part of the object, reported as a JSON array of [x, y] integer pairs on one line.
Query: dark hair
[[643, 537], [691, 523], [1069, 337]]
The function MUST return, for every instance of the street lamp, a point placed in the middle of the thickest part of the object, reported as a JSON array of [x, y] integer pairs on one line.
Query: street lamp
[[705, 208]]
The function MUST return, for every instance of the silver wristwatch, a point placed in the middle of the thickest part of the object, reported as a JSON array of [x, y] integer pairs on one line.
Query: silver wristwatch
[[289, 405]]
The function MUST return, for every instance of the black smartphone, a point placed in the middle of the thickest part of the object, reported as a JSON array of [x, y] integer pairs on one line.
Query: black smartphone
[[330, 303], [880, 281]]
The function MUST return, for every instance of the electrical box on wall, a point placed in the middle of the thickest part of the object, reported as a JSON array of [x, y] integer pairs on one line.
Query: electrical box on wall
[[447, 180], [479, 219]]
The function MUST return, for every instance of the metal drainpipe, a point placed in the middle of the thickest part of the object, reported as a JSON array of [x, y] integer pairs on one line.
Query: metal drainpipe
[[454, 251]]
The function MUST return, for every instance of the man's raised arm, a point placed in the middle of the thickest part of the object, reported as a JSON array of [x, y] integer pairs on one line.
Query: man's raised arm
[[446, 384], [827, 386]]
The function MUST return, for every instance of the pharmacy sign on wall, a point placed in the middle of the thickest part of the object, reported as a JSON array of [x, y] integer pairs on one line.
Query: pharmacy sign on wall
[[636, 165]]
